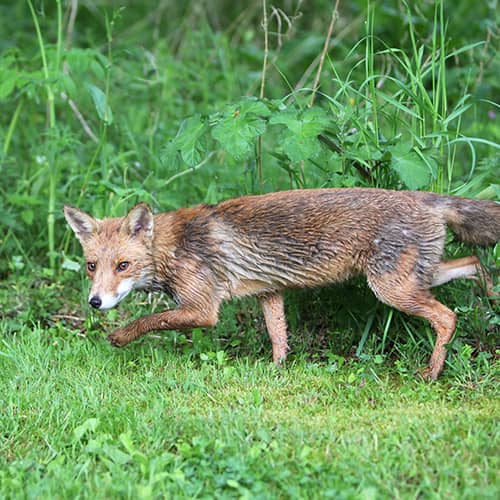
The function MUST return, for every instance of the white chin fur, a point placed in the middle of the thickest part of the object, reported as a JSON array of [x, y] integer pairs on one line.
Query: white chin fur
[[110, 300]]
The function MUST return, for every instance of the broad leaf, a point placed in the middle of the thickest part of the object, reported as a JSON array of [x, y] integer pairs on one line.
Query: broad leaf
[[89, 426], [299, 147], [7, 83], [72, 265], [252, 105], [170, 155], [410, 167], [363, 153], [300, 138], [100, 102], [116, 455], [191, 140], [239, 126], [311, 122]]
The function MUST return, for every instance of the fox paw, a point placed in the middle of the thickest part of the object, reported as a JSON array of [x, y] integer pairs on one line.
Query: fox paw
[[427, 373], [118, 339]]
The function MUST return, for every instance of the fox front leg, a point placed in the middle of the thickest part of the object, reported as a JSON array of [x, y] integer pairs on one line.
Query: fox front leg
[[175, 319], [274, 315]]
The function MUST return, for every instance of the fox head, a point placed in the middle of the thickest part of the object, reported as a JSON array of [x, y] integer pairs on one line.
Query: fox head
[[118, 252]]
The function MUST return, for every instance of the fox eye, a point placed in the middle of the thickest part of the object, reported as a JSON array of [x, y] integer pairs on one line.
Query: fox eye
[[122, 266], [91, 267]]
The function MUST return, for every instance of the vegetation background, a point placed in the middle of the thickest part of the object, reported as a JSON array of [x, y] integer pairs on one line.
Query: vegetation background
[[106, 103]]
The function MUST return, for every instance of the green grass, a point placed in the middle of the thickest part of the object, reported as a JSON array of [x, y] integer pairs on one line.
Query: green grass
[[80, 418], [206, 414]]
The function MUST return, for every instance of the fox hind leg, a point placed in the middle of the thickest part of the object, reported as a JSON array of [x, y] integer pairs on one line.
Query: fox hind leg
[[403, 289], [443, 320], [274, 315], [466, 267]]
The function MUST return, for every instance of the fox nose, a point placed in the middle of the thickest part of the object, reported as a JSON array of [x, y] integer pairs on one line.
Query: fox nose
[[95, 301]]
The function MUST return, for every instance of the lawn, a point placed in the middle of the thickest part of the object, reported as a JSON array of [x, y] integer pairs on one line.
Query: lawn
[[193, 416], [83, 419]]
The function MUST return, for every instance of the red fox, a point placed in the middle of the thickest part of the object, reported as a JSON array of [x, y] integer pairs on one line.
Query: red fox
[[261, 245]]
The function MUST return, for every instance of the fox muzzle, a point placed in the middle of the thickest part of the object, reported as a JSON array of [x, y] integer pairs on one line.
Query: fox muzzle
[[95, 302]]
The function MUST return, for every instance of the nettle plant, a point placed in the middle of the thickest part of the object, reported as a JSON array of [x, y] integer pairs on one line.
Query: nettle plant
[[338, 141]]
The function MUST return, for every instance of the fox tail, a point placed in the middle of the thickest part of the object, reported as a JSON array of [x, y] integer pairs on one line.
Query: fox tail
[[473, 221]]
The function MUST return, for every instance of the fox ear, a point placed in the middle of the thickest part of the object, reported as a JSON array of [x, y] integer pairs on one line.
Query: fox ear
[[83, 224], [139, 220]]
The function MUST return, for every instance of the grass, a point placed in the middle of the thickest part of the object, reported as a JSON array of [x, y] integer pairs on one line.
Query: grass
[[206, 414], [82, 419], [104, 107]]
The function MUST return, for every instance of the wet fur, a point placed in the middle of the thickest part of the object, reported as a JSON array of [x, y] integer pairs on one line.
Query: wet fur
[[260, 245]]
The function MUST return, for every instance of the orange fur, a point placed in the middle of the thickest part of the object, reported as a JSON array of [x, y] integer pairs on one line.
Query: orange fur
[[261, 245]]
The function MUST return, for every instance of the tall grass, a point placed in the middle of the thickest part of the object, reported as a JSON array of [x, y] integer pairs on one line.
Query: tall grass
[[392, 120], [51, 135]]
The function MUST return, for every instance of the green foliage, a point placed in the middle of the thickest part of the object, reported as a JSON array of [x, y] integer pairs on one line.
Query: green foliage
[[191, 141], [93, 118], [101, 105], [238, 126], [414, 168], [299, 140], [303, 136]]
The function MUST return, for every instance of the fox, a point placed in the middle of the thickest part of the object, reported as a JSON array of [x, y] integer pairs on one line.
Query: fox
[[261, 245]]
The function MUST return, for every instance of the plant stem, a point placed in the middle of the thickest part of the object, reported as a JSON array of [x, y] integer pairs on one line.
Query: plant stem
[[324, 52], [45, 67], [266, 49], [51, 122], [369, 66], [188, 170], [443, 90], [12, 127], [262, 86]]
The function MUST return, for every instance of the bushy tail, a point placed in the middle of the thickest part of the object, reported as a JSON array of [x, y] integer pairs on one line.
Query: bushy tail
[[473, 221]]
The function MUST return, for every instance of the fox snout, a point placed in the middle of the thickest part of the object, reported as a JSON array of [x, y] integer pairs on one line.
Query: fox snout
[[95, 302], [106, 301], [104, 298]]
